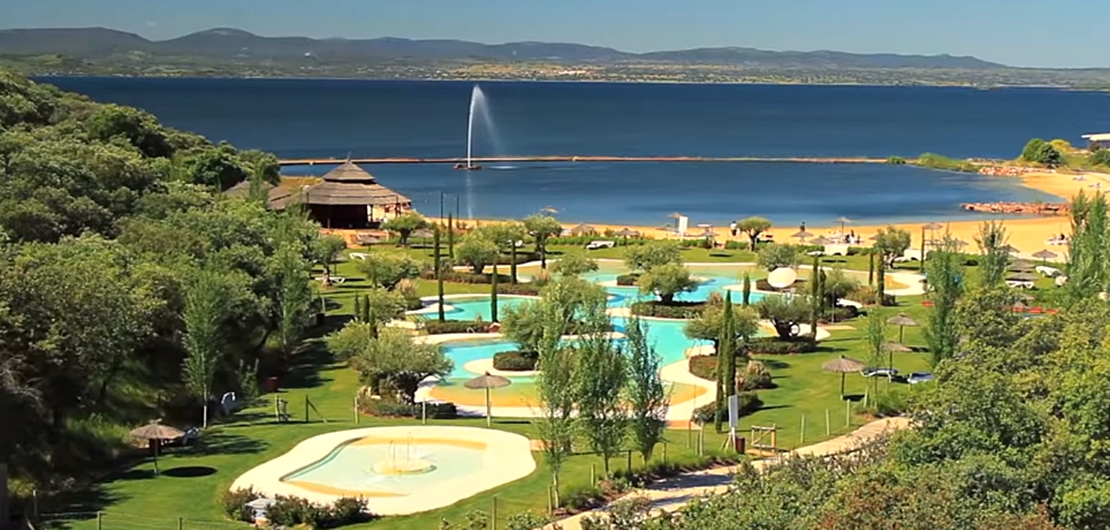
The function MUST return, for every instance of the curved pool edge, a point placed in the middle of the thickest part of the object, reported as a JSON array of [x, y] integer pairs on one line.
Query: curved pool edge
[[508, 457]]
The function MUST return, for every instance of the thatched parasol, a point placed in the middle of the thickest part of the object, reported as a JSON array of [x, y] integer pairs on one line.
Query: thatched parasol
[[1011, 249], [624, 232], [820, 241], [583, 229], [1022, 277], [901, 321], [932, 227], [368, 240], [1045, 255], [487, 382], [1021, 265], [843, 221], [843, 366], [891, 347], [154, 432], [802, 235]]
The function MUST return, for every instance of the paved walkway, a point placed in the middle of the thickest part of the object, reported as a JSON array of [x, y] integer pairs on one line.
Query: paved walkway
[[673, 493]]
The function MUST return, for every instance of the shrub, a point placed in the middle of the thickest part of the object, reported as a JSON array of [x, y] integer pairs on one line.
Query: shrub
[[704, 366], [521, 289], [896, 160], [892, 402], [868, 295], [294, 511], [435, 327], [798, 286], [749, 402], [389, 408], [514, 361], [840, 313], [348, 510], [627, 280], [776, 346], [454, 276], [235, 501], [678, 310], [756, 376]]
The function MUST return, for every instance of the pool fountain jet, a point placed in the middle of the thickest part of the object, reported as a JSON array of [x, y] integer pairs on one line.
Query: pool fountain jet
[[407, 465], [477, 106]]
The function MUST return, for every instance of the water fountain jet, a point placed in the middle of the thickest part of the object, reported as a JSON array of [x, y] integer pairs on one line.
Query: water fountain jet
[[407, 465], [477, 104]]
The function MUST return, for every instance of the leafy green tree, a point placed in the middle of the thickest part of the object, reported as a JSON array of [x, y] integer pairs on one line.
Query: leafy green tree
[[556, 392], [994, 246], [786, 313], [326, 250], [776, 256], [542, 228], [204, 334], [651, 255], [945, 289], [477, 251], [380, 306], [891, 243], [600, 378], [404, 225], [493, 293], [387, 269], [1088, 248], [293, 298], [1031, 152], [510, 235], [136, 127], [564, 299], [667, 281], [574, 265], [753, 227], [1100, 157], [648, 400], [451, 236], [388, 358], [836, 284]]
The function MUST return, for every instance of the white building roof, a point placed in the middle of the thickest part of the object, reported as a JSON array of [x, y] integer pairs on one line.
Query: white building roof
[[1099, 137]]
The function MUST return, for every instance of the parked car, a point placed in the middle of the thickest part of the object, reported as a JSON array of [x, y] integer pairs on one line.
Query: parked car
[[595, 245], [919, 377], [879, 372]]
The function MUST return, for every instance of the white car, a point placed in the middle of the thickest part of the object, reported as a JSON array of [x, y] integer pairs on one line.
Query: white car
[[595, 245]]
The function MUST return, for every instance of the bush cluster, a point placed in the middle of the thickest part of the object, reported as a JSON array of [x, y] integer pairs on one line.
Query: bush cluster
[[840, 313], [389, 408], [628, 280], [777, 346], [868, 295], [680, 310], [753, 376], [435, 327], [293, 511], [453, 276], [514, 361], [749, 402], [521, 289]]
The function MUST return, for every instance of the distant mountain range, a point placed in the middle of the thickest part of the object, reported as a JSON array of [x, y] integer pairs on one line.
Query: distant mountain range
[[225, 44]]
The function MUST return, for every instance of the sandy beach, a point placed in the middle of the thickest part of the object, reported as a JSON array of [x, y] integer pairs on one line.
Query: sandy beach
[[1027, 234]]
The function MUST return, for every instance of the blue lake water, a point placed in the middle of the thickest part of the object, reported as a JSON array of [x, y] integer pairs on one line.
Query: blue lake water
[[333, 118]]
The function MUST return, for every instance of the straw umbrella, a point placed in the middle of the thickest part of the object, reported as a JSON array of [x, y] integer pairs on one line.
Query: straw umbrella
[[1045, 255], [891, 347], [487, 382], [154, 432], [423, 234], [843, 366], [802, 235], [820, 241], [625, 233], [901, 321], [583, 229], [1022, 277], [843, 221], [1011, 249]]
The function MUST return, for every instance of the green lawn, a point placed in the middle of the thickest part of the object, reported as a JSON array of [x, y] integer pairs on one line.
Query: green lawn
[[134, 499]]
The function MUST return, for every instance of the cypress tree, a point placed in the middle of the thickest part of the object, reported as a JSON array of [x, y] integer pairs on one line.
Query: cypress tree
[[439, 274], [871, 267], [358, 309], [493, 294], [512, 266], [366, 313], [450, 236], [726, 361], [880, 284], [817, 296], [747, 289]]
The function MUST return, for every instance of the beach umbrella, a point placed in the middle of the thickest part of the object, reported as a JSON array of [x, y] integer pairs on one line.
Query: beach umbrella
[[1021, 277], [843, 366], [843, 221], [932, 227], [820, 241], [624, 232], [802, 235], [154, 432], [583, 229], [1045, 255], [1011, 249], [891, 347], [424, 234], [901, 321], [368, 240], [487, 382]]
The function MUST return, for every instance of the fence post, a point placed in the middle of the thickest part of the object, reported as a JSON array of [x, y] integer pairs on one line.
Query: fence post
[[847, 414], [493, 521], [664, 452], [828, 426], [630, 462], [180, 523], [99, 520], [356, 408], [306, 408], [803, 438]]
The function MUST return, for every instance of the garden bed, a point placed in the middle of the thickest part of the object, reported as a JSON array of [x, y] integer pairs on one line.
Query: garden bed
[[777, 346], [435, 327]]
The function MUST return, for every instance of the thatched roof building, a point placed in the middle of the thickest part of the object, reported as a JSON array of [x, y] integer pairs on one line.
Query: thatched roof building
[[348, 197]]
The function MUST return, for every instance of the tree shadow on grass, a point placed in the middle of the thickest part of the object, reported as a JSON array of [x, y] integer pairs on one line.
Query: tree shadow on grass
[[774, 364], [225, 443], [305, 367]]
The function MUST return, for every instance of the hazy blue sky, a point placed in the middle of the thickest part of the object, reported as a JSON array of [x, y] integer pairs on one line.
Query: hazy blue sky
[[1067, 33]]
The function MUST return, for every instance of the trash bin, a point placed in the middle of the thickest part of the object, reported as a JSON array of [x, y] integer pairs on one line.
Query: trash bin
[[740, 442], [271, 384]]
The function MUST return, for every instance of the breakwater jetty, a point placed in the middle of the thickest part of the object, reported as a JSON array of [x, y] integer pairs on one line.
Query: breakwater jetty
[[1035, 208], [570, 158]]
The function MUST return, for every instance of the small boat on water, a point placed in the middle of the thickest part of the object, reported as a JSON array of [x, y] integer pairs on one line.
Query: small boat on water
[[463, 166]]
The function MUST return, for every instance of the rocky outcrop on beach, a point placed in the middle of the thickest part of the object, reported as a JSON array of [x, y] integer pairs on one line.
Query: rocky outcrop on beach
[[1032, 208], [1008, 171]]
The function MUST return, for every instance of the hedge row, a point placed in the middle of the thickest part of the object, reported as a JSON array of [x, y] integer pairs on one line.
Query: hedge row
[[514, 361], [386, 408], [295, 511], [628, 280], [749, 402], [682, 310], [777, 346], [435, 327]]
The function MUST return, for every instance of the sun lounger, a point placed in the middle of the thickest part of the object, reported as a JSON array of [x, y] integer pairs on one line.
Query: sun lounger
[[1050, 272], [359, 255]]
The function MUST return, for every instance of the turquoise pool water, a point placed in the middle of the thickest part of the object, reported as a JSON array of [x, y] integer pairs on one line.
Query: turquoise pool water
[[350, 466], [666, 335]]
